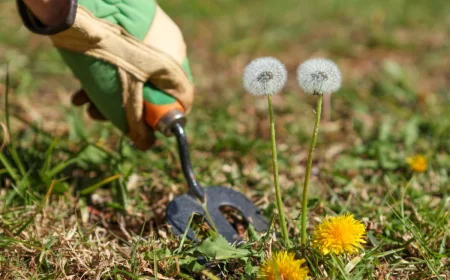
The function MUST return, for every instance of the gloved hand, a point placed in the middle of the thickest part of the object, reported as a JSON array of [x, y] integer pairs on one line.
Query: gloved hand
[[123, 52]]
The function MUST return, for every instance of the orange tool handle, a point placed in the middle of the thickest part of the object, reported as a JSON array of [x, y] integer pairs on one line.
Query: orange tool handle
[[155, 112], [157, 104]]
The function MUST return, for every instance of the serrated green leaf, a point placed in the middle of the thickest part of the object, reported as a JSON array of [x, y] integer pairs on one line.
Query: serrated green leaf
[[218, 248], [191, 264], [250, 269], [160, 254]]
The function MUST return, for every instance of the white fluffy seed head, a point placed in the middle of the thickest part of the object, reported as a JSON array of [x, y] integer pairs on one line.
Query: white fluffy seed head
[[319, 76], [264, 76]]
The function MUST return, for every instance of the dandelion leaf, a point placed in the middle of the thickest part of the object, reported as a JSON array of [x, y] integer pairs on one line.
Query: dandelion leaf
[[191, 264], [218, 248]]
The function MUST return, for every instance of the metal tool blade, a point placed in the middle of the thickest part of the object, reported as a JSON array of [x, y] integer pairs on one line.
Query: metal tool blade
[[181, 208]]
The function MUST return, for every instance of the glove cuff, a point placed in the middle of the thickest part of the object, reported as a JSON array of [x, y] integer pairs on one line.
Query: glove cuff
[[36, 26]]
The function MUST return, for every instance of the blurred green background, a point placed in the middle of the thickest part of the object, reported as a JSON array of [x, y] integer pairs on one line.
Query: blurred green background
[[394, 103]]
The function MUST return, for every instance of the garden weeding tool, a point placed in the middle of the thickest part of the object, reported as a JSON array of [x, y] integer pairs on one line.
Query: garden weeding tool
[[165, 113]]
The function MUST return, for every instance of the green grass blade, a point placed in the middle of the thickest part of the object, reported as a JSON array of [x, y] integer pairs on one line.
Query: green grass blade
[[183, 239], [9, 169], [41, 206], [12, 148], [60, 167], [48, 157], [94, 187], [134, 263]]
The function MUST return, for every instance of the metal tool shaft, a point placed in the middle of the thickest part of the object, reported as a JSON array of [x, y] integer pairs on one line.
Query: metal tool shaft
[[183, 149]]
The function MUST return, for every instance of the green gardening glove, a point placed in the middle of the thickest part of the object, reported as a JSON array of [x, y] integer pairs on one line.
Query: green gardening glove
[[151, 43]]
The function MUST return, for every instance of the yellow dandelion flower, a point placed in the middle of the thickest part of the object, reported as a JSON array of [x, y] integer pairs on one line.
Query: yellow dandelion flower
[[339, 235], [283, 265], [417, 163]]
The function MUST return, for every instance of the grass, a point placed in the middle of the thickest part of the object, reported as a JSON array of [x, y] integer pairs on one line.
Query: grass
[[77, 201]]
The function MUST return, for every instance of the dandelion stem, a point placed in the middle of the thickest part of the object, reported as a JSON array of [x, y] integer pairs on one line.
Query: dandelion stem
[[308, 169], [284, 231], [209, 275]]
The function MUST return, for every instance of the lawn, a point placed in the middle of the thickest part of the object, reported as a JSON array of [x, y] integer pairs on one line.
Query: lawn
[[77, 201]]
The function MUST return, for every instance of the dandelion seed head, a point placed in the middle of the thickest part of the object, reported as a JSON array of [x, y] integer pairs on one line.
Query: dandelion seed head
[[285, 266], [264, 76], [339, 235], [319, 76]]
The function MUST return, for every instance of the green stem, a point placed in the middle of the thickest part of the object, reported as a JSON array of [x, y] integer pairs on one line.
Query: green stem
[[284, 230], [184, 276], [209, 275], [213, 225], [308, 168], [340, 266], [402, 201]]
